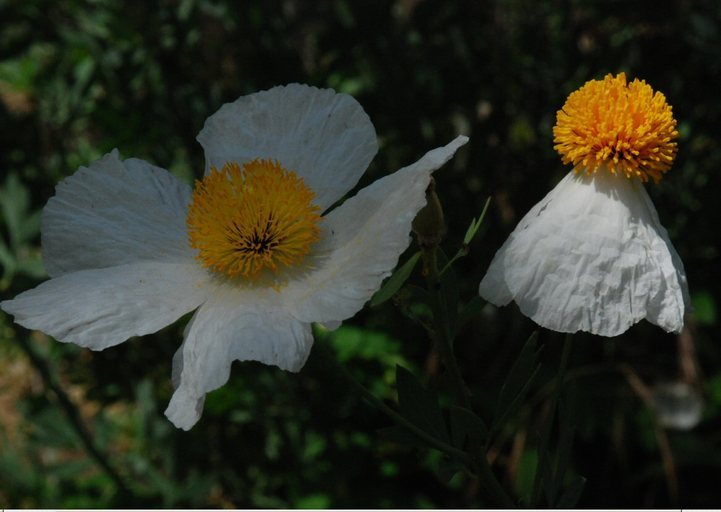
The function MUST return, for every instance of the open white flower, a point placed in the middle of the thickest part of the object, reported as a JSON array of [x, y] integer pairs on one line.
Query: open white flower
[[130, 249], [592, 255]]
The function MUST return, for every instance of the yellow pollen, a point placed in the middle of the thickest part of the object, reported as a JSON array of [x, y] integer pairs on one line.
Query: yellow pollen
[[627, 129], [244, 219]]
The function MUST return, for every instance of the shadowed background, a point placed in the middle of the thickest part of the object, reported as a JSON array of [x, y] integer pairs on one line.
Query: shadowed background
[[78, 79]]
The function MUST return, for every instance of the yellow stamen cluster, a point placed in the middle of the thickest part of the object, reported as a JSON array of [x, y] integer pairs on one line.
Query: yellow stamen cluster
[[246, 219], [625, 128]]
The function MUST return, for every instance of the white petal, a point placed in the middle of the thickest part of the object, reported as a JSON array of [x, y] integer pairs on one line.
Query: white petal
[[99, 308], [332, 325], [113, 213], [363, 239], [591, 256], [325, 137], [234, 324]]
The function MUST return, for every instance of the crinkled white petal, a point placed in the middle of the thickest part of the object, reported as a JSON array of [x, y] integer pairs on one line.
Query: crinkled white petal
[[112, 213], [99, 308], [234, 324], [363, 239], [591, 256], [325, 137]]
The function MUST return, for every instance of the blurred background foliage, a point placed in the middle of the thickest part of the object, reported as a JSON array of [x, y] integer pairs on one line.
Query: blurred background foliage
[[78, 78]]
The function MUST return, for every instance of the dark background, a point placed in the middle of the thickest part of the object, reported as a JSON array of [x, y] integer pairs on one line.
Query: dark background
[[78, 78]]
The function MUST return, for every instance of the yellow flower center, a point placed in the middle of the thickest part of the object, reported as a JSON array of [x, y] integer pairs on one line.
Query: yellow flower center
[[243, 220], [625, 128]]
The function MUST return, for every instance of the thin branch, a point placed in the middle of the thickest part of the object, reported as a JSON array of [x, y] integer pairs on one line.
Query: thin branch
[[646, 396], [71, 411]]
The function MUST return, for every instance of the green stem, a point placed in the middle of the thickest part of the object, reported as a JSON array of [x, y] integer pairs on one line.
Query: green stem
[[478, 465], [444, 342], [442, 331], [373, 400], [546, 431], [463, 251]]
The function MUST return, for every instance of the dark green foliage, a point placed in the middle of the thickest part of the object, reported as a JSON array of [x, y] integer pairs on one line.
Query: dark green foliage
[[518, 383], [79, 77], [466, 426], [420, 405]]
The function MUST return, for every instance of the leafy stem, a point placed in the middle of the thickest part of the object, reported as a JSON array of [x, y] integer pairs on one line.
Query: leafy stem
[[373, 400], [470, 233], [477, 465], [444, 338], [442, 331]]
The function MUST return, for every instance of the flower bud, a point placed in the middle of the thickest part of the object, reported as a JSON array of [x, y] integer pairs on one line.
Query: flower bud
[[429, 225]]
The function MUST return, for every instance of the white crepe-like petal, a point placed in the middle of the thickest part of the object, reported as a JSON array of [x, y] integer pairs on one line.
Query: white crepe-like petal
[[99, 308], [363, 239], [591, 256], [113, 213], [325, 137], [234, 324]]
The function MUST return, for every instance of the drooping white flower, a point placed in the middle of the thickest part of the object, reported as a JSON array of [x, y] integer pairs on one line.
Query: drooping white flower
[[592, 255], [253, 249]]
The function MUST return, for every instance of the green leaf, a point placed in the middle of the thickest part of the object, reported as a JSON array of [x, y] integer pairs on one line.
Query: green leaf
[[704, 308], [32, 267], [473, 228], [20, 74], [518, 382], [394, 283], [29, 227], [467, 238], [419, 405], [465, 425], [526, 474], [7, 260], [351, 342], [14, 202]]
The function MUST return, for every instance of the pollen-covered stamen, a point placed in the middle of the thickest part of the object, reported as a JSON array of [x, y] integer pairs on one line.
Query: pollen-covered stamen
[[246, 219], [625, 128]]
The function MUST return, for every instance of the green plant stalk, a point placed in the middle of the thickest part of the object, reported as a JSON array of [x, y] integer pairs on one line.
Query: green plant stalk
[[442, 331], [479, 468], [373, 400], [444, 341], [470, 233], [546, 431]]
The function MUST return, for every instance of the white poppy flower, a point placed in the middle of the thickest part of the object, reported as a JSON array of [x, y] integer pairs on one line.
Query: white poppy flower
[[130, 249], [592, 255]]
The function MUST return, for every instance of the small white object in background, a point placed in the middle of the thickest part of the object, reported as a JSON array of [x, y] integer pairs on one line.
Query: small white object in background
[[678, 405]]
